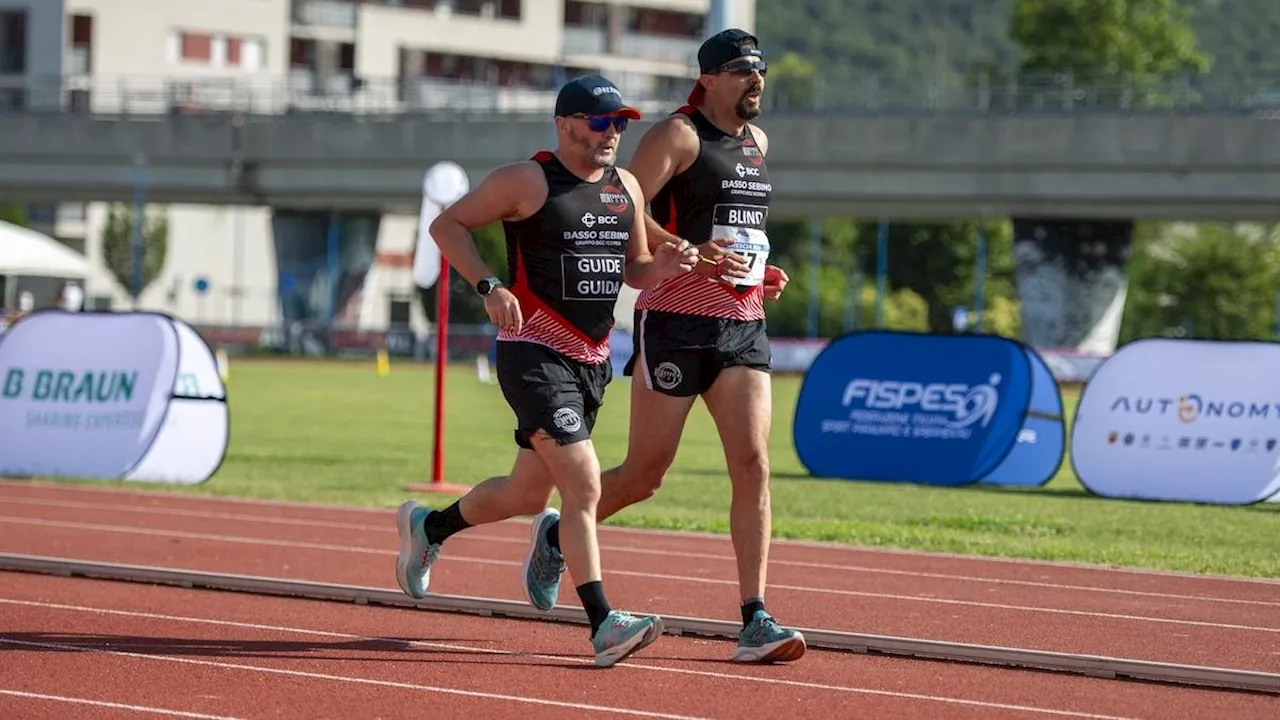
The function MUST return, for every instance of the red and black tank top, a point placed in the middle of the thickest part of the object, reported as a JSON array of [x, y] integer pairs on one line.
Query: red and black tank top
[[566, 261], [725, 193]]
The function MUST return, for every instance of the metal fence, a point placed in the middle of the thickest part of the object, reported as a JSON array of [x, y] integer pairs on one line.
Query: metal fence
[[306, 92]]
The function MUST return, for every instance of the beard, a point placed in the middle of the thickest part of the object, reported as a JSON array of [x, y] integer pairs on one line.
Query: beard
[[745, 111], [593, 152]]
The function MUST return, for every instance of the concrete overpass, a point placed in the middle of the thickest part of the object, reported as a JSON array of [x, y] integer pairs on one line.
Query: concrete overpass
[[1223, 166]]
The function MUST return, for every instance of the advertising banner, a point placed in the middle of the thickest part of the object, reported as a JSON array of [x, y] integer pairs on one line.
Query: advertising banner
[[1182, 420], [909, 407], [1042, 441], [110, 396], [196, 431]]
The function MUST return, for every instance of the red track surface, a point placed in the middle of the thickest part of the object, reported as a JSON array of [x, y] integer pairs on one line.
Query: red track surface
[[297, 658]]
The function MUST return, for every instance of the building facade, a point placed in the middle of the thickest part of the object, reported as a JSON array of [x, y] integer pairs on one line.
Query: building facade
[[262, 266]]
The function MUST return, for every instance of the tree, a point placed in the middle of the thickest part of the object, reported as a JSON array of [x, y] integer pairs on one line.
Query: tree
[[1140, 43], [793, 83], [938, 262], [1208, 282], [117, 248], [465, 306], [13, 214]]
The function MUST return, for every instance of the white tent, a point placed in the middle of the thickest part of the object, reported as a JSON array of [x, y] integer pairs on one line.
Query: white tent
[[27, 252]]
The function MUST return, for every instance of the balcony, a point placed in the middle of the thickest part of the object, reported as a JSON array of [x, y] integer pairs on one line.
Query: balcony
[[76, 61], [585, 41], [664, 48], [325, 13]]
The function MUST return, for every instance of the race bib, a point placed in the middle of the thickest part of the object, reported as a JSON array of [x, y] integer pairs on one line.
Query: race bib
[[743, 224], [591, 277], [752, 245]]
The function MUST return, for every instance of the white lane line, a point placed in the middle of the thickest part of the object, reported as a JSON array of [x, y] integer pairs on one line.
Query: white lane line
[[718, 538], [349, 679], [633, 664], [114, 706], [631, 573], [478, 535]]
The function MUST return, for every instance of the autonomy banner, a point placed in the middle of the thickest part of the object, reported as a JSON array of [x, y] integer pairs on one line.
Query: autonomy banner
[[1042, 441], [133, 396], [908, 407], [1182, 420]]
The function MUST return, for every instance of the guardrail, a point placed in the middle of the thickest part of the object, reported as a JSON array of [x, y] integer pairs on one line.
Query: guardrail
[[308, 92]]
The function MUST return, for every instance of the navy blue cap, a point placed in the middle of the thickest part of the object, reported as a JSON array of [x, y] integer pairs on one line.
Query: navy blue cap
[[592, 95]]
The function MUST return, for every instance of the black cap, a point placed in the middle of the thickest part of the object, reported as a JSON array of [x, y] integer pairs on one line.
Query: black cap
[[592, 95], [725, 46]]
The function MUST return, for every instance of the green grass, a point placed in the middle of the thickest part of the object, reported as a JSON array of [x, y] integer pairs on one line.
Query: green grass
[[335, 432]]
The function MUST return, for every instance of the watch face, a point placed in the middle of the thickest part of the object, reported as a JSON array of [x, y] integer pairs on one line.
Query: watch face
[[485, 287]]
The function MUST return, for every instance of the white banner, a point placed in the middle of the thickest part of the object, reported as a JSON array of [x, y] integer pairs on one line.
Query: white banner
[[442, 185], [104, 395], [795, 354], [1182, 420], [197, 426]]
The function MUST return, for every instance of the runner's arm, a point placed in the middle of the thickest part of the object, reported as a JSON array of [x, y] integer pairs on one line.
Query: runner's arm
[[643, 267], [668, 148], [509, 193]]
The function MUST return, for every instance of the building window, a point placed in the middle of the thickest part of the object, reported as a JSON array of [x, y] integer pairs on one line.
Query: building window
[[13, 41], [196, 46], [302, 53], [216, 50], [80, 57], [253, 53], [584, 14], [509, 9]]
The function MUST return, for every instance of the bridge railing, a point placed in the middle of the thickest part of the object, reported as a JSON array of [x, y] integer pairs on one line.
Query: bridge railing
[[305, 92]]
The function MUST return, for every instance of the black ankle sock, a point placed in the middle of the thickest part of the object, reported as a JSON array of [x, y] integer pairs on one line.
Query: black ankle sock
[[749, 609], [592, 596], [440, 525], [553, 534]]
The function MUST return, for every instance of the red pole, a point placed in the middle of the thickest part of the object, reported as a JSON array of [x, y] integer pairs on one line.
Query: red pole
[[442, 359], [437, 484]]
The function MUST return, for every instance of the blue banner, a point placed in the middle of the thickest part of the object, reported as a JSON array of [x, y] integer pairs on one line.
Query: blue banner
[[909, 407], [621, 346], [1042, 442]]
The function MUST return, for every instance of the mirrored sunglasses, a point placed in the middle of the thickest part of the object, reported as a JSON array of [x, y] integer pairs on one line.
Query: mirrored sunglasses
[[744, 67], [600, 123]]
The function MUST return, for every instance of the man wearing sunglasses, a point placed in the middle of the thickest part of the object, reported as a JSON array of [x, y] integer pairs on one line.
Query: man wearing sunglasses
[[575, 232], [703, 334]]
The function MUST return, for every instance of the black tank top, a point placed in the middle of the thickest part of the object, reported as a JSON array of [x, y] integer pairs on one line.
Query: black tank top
[[566, 260], [725, 193]]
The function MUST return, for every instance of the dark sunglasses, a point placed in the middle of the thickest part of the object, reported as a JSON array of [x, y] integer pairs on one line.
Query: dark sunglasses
[[600, 123], [744, 67]]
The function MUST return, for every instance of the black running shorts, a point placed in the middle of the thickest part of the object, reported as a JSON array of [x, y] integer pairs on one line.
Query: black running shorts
[[684, 354], [550, 392]]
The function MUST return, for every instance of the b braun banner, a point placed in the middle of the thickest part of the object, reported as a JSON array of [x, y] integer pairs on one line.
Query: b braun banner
[[1042, 441], [908, 407], [133, 396], [1182, 420]]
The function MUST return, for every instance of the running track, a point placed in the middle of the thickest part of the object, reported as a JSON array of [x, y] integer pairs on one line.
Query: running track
[[107, 649]]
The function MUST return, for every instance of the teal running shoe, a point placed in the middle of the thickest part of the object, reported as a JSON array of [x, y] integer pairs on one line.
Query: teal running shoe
[[543, 565], [763, 640], [413, 564], [621, 634]]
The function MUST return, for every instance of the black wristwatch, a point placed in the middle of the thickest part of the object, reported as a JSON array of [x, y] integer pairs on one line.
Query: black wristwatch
[[488, 285]]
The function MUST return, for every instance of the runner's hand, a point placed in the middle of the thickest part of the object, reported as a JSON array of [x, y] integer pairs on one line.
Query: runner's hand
[[720, 264], [672, 259], [504, 310], [775, 279]]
